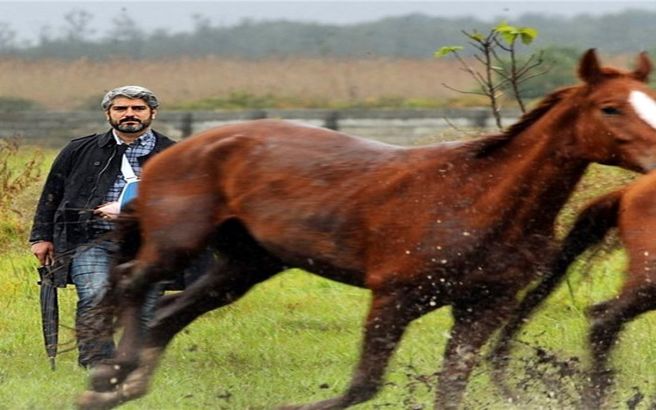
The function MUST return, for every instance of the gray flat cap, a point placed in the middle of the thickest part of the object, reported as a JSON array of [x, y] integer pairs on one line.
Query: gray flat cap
[[130, 91]]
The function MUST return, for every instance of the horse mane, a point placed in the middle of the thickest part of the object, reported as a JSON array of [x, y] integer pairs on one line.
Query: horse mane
[[484, 146]]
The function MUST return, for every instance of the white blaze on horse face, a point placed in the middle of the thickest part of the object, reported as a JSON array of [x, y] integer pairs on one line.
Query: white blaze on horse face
[[645, 107]]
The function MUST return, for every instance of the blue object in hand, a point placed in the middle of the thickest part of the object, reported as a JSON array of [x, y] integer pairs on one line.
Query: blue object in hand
[[129, 193]]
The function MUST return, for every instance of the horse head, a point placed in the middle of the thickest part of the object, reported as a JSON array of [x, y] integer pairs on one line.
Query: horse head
[[616, 124]]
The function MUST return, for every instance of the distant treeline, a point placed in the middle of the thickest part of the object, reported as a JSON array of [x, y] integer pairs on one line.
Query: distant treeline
[[411, 36]]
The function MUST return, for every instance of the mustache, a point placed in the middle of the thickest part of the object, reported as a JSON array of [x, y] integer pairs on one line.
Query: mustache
[[130, 119]]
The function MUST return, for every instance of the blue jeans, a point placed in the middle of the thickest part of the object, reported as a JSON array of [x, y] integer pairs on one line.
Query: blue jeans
[[89, 272]]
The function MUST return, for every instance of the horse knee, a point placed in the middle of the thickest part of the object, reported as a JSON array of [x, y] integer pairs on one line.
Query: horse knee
[[124, 269], [123, 277], [134, 278], [598, 311]]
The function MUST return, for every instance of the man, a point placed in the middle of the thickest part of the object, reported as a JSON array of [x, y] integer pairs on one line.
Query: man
[[72, 216]]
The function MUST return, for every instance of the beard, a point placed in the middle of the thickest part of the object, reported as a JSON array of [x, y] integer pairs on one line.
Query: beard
[[123, 126]]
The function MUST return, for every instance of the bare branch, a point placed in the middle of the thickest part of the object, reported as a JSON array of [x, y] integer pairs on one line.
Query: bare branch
[[498, 74], [462, 91]]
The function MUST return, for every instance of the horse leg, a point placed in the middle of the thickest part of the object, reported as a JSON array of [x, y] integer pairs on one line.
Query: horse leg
[[208, 261], [608, 319], [166, 246], [389, 316], [590, 228], [474, 323], [107, 376], [223, 284], [499, 357]]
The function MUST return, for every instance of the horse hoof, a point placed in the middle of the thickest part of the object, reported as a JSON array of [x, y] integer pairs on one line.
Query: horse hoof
[[106, 377], [93, 400], [330, 404], [135, 385]]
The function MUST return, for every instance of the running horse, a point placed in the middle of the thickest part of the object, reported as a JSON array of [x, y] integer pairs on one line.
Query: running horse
[[459, 224], [632, 210]]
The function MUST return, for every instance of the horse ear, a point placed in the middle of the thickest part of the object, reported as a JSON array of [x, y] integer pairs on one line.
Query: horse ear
[[643, 67], [589, 67]]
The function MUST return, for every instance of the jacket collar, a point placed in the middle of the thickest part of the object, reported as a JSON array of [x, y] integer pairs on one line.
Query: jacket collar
[[105, 139], [108, 138]]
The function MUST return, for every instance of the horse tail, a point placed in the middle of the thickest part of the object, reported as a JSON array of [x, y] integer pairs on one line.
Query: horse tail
[[127, 235], [589, 229]]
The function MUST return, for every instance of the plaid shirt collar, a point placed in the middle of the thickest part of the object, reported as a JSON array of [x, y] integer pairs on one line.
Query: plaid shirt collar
[[145, 141]]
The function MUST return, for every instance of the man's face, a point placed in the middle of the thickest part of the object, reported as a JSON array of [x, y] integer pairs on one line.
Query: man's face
[[130, 115]]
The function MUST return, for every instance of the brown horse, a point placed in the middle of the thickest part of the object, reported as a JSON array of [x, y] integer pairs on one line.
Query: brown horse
[[457, 224], [632, 210]]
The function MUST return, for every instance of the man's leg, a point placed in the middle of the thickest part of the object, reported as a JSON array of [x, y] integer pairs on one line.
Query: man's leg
[[89, 272]]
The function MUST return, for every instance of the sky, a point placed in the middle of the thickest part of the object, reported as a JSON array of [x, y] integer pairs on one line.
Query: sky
[[27, 18]]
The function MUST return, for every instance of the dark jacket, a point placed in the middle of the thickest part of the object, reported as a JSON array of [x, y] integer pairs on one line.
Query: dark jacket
[[80, 177]]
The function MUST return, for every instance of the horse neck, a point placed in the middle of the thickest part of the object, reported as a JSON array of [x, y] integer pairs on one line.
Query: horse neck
[[534, 170]]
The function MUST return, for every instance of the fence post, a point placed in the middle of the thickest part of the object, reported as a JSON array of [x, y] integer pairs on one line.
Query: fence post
[[186, 125], [479, 120], [332, 121], [257, 114]]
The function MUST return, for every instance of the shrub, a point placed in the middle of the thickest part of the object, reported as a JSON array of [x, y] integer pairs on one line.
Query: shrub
[[233, 101], [19, 171], [16, 104]]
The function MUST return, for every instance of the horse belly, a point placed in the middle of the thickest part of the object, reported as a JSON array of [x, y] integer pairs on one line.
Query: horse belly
[[325, 250]]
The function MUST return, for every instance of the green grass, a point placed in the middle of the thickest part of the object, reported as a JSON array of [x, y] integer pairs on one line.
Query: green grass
[[295, 339]]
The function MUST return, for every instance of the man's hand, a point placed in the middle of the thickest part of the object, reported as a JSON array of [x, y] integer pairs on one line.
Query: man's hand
[[44, 252], [109, 210]]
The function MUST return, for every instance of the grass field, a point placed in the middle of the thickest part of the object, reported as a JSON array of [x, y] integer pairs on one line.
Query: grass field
[[185, 83], [296, 338], [303, 82]]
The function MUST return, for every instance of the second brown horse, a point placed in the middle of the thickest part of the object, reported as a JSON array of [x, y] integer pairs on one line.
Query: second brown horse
[[632, 209], [459, 224]]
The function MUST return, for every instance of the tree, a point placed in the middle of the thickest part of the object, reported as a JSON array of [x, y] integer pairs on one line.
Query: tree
[[7, 37], [78, 28], [497, 74], [45, 36], [561, 63], [125, 36], [125, 29], [202, 24]]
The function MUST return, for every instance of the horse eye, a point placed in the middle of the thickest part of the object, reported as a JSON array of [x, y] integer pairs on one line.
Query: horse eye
[[610, 111]]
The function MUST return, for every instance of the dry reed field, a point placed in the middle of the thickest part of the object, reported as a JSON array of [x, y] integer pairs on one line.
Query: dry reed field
[[65, 85]]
